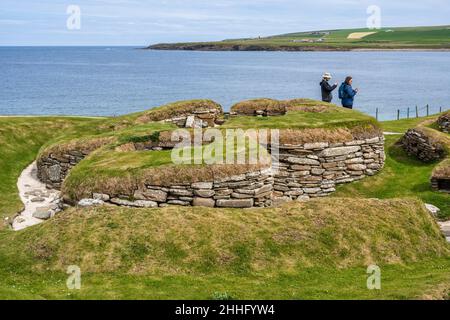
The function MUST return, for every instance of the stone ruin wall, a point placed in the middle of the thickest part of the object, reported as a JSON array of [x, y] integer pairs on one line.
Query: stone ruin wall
[[314, 169], [54, 168], [197, 119], [418, 144], [444, 122], [248, 190], [304, 171]]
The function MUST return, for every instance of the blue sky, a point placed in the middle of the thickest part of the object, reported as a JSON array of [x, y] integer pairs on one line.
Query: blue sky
[[137, 22]]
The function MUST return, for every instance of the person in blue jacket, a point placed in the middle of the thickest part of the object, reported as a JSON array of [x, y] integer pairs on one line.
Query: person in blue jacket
[[347, 93]]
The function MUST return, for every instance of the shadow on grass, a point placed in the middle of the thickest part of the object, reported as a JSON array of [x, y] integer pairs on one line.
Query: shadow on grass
[[421, 187]]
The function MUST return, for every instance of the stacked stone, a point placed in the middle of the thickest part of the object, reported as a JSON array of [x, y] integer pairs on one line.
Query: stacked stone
[[313, 169], [53, 169], [440, 184], [444, 122], [253, 189], [197, 119], [416, 143]]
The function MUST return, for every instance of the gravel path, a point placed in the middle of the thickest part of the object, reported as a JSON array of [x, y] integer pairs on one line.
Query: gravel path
[[445, 228], [37, 199]]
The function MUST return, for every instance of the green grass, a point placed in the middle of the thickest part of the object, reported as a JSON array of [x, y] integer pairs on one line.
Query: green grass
[[303, 120], [314, 250], [398, 282], [402, 125]]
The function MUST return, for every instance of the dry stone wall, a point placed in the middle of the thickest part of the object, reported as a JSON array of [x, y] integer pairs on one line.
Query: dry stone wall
[[440, 184], [444, 122], [314, 169], [196, 119], [303, 171], [416, 143], [253, 189], [53, 168]]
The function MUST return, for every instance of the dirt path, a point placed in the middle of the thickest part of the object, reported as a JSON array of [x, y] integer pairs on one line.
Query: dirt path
[[445, 228], [40, 203]]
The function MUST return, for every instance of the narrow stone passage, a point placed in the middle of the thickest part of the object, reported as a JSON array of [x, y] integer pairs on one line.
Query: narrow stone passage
[[40, 203]]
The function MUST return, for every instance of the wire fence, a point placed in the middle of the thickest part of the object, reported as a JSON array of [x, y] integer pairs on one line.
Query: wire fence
[[414, 112]]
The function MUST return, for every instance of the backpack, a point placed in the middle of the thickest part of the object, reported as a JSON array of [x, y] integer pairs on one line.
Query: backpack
[[342, 91]]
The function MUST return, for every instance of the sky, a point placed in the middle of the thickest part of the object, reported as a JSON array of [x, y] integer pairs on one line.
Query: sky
[[140, 23]]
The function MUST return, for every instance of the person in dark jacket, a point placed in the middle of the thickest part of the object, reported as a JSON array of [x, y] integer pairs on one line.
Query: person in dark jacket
[[327, 96], [347, 93]]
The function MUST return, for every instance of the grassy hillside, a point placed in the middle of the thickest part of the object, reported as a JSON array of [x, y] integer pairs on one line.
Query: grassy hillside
[[318, 249], [386, 38]]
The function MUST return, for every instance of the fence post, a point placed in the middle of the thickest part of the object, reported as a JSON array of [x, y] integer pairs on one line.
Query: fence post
[[398, 114], [417, 112], [428, 110], [376, 114], [408, 113]]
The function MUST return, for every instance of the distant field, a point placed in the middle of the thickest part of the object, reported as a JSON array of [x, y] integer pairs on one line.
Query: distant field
[[386, 38]]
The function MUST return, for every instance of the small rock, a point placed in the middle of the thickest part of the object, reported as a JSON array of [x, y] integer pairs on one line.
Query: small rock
[[204, 193], [43, 213], [100, 196], [150, 194], [303, 198], [19, 220], [277, 201], [38, 199], [432, 209], [54, 173], [137, 203], [90, 202], [202, 185], [235, 203], [203, 202]]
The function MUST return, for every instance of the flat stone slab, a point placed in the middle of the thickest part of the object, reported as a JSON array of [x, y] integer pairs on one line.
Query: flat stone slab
[[137, 203], [235, 203], [43, 213], [90, 202], [339, 151], [203, 202]]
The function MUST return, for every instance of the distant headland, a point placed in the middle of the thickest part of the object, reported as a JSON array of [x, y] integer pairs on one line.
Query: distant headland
[[403, 38]]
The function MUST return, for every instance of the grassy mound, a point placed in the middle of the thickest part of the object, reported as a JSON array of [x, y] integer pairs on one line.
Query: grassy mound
[[116, 171], [178, 109], [442, 170], [175, 241], [306, 120], [310, 105], [298, 118], [268, 106], [281, 107], [122, 162], [87, 142]]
